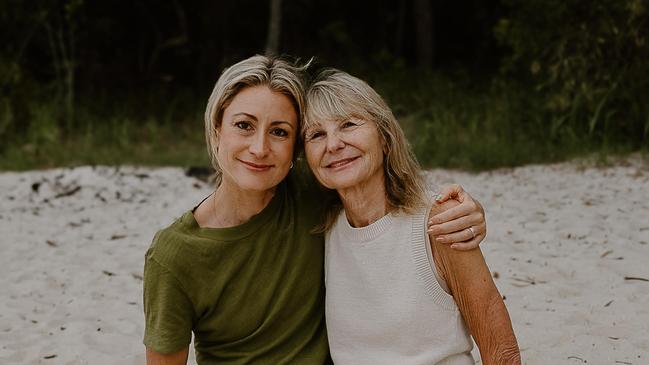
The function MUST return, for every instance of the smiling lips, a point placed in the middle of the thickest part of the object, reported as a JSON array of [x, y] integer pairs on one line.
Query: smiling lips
[[256, 167], [341, 163]]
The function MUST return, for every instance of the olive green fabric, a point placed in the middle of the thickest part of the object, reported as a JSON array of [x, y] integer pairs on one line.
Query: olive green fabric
[[252, 294]]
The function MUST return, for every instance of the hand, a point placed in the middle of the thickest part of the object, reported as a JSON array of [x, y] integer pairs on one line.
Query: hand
[[453, 225]]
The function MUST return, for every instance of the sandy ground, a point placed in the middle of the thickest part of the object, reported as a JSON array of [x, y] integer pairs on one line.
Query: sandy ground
[[568, 245]]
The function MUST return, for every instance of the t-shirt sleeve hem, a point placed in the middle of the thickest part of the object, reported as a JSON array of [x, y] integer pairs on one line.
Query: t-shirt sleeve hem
[[163, 347]]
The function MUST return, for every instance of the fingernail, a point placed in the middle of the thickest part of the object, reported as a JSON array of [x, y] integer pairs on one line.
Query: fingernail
[[439, 239], [454, 246]]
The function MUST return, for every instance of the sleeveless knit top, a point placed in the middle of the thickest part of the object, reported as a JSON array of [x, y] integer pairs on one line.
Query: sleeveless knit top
[[384, 303]]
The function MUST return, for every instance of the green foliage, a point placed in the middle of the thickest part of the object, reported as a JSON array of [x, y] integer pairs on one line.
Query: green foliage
[[82, 83], [452, 122], [129, 143], [587, 60], [135, 132]]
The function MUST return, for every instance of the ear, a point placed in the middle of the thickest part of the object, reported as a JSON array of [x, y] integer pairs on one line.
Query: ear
[[384, 141], [384, 146]]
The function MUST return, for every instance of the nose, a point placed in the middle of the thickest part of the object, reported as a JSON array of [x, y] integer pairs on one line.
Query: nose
[[259, 145], [334, 142]]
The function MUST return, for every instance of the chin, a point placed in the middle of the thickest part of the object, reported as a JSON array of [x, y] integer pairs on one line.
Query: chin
[[340, 183], [259, 183]]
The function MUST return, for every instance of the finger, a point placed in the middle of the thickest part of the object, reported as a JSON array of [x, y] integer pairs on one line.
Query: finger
[[468, 245], [449, 192], [480, 228], [462, 195], [474, 220], [457, 237], [455, 212], [459, 226], [453, 226]]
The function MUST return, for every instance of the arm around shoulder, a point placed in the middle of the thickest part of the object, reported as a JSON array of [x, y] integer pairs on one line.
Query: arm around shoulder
[[479, 301]]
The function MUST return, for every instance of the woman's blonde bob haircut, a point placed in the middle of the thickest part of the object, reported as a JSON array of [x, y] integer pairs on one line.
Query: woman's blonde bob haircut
[[278, 74], [338, 96]]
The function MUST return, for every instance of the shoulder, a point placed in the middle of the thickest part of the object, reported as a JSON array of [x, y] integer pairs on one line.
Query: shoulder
[[169, 243]]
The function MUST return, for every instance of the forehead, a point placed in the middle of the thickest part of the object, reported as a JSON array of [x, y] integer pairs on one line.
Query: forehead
[[263, 103], [325, 105]]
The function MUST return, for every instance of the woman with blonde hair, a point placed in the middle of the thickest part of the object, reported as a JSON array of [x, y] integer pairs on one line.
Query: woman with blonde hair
[[394, 294], [243, 271]]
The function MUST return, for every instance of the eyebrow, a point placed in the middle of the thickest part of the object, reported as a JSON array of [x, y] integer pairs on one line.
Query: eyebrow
[[282, 122], [275, 122], [312, 126], [246, 114]]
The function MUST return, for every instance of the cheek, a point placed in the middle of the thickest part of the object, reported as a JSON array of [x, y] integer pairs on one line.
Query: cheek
[[311, 151], [283, 152], [289, 149]]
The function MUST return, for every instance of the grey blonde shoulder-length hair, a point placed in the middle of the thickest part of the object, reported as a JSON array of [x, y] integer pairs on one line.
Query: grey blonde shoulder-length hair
[[278, 74], [336, 95]]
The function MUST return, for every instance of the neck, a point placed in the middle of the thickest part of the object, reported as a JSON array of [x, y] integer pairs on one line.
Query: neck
[[366, 202], [231, 206]]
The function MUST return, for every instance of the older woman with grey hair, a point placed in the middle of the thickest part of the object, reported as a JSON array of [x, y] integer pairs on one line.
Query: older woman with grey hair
[[394, 294]]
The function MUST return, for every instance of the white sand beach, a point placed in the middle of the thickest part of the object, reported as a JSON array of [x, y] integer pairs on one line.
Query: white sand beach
[[568, 244]]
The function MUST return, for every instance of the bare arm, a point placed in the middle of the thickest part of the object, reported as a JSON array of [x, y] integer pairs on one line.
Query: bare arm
[[156, 358], [478, 299]]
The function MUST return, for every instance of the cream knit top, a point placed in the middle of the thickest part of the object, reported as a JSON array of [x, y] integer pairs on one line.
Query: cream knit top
[[384, 303]]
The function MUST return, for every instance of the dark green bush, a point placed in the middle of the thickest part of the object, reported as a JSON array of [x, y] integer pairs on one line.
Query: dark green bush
[[588, 60]]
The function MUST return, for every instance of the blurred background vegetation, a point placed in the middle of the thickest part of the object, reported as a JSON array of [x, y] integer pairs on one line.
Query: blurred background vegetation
[[476, 84]]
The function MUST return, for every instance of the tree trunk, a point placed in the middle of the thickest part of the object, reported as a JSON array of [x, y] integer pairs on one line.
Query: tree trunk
[[69, 64], [274, 27], [401, 25], [62, 41], [425, 36]]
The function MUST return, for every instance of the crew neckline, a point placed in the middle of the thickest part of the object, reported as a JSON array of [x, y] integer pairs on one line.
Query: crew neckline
[[366, 233], [240, 231]]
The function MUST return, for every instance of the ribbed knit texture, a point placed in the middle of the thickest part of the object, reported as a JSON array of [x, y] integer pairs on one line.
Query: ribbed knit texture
[[384, 304]]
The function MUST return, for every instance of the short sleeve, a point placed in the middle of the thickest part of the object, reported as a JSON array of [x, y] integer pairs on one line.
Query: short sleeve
[[168, 311]]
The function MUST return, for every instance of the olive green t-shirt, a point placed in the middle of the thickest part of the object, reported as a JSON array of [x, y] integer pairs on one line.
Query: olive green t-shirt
[[251, 294]]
